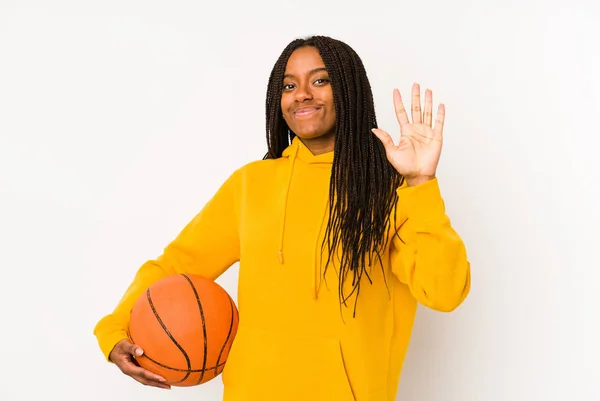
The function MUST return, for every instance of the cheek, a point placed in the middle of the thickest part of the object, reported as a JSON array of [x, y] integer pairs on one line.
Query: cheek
[[284, 110], [331, 113], [285, 102], [331, 106]]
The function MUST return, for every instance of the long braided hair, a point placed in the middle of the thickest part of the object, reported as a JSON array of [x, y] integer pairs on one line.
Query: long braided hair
[[362, 190]]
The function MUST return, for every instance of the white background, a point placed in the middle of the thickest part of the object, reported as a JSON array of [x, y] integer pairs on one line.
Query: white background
[[119, 119]]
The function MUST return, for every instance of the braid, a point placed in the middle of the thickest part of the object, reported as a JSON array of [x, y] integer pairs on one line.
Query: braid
[[362, 190]]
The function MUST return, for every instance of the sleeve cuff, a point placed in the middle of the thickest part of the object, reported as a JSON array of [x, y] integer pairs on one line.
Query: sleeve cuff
[[107, 341], [423, 203]]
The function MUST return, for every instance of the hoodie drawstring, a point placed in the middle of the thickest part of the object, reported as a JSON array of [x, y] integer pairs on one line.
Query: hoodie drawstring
[[318, 274], [287, 191], [317, 267]]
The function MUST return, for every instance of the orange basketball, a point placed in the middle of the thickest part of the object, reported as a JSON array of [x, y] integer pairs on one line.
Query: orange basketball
[[185, 324]]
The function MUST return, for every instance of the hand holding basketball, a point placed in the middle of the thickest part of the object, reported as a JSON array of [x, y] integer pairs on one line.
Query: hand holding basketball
[[123, 354]]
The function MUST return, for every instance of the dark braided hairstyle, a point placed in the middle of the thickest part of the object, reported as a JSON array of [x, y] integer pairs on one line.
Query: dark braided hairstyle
[[362, 191]]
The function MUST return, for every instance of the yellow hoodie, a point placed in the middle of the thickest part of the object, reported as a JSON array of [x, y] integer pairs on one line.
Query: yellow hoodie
[[294, 342]]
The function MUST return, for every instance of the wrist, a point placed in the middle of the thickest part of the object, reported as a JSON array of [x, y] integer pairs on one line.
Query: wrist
[[414, 181]]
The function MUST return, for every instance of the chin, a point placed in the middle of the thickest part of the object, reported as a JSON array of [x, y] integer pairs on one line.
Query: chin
[[310, 133]]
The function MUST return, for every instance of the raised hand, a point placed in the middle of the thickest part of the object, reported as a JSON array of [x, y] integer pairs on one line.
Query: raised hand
[[418, 152]]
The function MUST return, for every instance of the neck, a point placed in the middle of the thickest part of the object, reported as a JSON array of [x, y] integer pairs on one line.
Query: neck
[[318, 146]]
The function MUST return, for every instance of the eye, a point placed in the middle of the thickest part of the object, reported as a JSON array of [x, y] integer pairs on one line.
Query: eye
[[287, 87], [322, 81]]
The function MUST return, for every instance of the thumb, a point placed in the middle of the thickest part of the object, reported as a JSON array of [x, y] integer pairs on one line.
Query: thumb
[[385, 139], [135, 350]]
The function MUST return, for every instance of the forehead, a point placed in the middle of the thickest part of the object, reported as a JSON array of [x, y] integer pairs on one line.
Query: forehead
[[303, 60]]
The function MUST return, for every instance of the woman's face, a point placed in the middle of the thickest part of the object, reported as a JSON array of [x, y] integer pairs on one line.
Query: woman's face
[[307, 97]]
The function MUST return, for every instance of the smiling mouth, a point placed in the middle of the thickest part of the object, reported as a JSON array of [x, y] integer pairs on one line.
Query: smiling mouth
[[306, 112]]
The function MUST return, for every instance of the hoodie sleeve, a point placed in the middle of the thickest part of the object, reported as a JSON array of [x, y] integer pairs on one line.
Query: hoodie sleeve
[[426, 253], [207, 246]]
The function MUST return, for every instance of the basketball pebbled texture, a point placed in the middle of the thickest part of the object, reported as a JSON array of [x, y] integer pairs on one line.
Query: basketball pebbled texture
[[186, 325]]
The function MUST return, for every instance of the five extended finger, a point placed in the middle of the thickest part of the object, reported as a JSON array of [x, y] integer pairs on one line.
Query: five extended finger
[[428, 112], [385, 138], [416, 104], [401, 114], [439, 122]]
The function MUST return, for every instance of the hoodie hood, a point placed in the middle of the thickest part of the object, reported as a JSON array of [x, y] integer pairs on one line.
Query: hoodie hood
[[299, 150], [298, 154]]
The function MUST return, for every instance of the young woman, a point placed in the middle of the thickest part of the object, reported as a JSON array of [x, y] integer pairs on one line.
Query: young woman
[[339, 232]]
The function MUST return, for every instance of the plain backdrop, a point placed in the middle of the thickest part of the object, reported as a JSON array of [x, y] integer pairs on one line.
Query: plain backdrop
[[120, 119]]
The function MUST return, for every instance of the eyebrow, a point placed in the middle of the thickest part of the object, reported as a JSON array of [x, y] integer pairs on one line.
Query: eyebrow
[[313, 71]]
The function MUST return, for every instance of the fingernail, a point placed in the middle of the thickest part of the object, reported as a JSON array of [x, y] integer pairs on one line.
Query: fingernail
[[161, 379], [139, 352]]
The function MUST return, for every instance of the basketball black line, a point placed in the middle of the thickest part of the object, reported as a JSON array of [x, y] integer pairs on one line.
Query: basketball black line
[[228, 336], [203, 326], [187, 358], [162, 365]]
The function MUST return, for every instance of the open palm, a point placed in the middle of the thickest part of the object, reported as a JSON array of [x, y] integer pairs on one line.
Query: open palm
[[417, 154]]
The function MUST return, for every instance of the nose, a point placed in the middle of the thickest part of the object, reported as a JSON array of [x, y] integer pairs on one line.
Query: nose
[[303, 94]]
